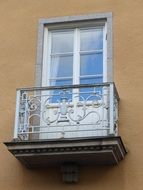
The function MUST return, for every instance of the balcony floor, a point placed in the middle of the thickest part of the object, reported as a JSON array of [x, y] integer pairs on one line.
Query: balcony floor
[[84, 151]]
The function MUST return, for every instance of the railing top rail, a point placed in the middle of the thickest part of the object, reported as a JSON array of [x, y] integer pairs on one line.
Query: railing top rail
[[30, 89], [65, 87], [116, 92]]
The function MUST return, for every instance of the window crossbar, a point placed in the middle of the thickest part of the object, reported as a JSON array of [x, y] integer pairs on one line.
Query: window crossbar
[[61, 54], [91, 51]]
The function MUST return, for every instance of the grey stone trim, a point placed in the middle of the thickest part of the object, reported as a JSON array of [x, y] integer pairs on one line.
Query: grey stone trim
[[72, 19], [109, 50], [75, 18], [38, 70], [62, 149]]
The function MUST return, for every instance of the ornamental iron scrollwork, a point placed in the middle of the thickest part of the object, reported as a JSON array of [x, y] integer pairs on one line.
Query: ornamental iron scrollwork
[[69, 107]]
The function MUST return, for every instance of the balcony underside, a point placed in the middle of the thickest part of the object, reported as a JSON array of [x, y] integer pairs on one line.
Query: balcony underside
[[89, 151]]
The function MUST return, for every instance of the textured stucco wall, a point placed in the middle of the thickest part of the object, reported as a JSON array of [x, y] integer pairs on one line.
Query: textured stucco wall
[[18, 41]]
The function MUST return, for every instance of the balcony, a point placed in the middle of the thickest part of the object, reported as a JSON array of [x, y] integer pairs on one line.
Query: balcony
[[68, 125]]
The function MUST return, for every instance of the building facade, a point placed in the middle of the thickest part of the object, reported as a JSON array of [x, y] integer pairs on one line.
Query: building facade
[[37, 41]]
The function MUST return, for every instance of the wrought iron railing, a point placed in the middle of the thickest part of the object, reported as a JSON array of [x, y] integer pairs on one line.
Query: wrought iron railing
[[74, 111]]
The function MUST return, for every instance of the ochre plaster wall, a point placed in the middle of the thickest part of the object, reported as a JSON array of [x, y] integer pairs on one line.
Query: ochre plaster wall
[[18, 41]]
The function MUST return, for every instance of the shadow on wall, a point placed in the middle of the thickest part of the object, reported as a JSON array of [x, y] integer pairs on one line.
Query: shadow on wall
[[96, 177]]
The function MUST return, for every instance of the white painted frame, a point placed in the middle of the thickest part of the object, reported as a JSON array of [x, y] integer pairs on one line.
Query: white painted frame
[[76, 53]]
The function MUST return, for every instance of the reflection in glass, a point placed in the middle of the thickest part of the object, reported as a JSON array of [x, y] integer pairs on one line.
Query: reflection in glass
[[91, 39], [57, 95], [62, 42], [86, 92], [90, 54], [92, 80], [91, 64], [61, 66], [61, 82]]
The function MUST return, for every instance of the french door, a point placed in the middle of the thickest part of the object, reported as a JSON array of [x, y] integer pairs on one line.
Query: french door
[[74, 56]]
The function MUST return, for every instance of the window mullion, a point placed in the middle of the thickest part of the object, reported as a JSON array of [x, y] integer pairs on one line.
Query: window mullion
[[46, 61], [76, 59], [76, 64]]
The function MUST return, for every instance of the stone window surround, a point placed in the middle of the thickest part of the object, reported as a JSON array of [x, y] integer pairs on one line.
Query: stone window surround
[[72, 19]]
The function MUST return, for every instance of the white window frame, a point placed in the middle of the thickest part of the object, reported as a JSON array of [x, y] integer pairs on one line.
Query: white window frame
[[76, 53]]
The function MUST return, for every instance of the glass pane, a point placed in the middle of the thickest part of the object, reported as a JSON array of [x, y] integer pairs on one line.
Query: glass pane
[[57, 95], [86, 93], [91, 64], [61, 66], [91, 80], [91, 93], [91, 39], [60, 82], [62, 42]]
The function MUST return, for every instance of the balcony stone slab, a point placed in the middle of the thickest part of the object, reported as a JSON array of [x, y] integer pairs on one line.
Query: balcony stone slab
[[84, 151]]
